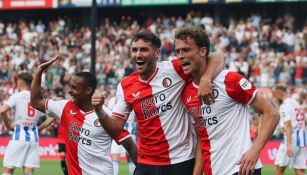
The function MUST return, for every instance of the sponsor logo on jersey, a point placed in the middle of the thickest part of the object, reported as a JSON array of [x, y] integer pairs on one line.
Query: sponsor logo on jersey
[[97, 123], [150, 108], [245, 84], [75, 133], [167, 82], [71, 112], [189, 98], [136, 95]]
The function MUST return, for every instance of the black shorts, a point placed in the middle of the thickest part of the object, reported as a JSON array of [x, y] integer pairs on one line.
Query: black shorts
[[256, 172], [61, 148], [183, 168]]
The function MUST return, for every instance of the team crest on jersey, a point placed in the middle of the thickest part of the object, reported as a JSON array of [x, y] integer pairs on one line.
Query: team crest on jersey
[[167, 82], [189, 98], [97, 123], [136, 95], [245, 84]]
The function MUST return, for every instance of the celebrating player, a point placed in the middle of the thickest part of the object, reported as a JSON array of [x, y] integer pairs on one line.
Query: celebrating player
[[292, 150], [87, 143], [166, 143], [23, 148], [223, 127]]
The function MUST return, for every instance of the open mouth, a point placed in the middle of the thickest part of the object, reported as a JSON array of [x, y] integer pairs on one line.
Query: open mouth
[[140, 63], [183, 64]]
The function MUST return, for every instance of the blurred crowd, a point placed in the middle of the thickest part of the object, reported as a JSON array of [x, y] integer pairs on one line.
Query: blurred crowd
[[265, 50]]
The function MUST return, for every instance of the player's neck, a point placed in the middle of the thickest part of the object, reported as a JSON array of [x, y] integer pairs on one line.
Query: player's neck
[[198, 74], [85, 105], [149, 74]]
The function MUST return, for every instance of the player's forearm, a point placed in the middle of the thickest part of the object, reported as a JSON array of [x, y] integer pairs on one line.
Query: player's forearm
[[110, 124], [288, 129], [215, 66], [268, 125], [36, 95], [6, 121], [131, 148]]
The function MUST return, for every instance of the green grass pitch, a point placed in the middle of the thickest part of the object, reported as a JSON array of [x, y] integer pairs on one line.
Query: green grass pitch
[[52, 167]]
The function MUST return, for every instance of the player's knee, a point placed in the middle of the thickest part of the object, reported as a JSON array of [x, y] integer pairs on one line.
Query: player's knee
[[29, 174], [62, 156]]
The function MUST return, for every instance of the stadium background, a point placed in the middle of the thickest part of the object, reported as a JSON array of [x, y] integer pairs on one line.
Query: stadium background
[[266, 40]]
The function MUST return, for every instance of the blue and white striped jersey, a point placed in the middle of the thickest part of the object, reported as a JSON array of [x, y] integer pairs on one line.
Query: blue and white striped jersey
[[25, 117]]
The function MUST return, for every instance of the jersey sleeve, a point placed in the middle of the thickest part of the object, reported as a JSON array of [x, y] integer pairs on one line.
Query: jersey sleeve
[[11, 102], [122, 136], [121, 109], [178, 68], [239, 88], [55, 108], [285, 114]]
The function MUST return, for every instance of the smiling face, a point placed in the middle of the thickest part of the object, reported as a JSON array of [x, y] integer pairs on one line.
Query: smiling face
[[145, 56], [191, 57], [78, 90]]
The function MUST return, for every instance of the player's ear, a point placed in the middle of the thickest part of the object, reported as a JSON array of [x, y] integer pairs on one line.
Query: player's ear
[[157, 52], [203, 51], [89, 90]]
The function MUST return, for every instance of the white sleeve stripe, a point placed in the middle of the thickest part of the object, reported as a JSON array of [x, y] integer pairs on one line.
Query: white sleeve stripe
[[252, 98], [124, 138]]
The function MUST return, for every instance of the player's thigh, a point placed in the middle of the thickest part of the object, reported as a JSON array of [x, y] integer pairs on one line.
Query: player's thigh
[[299, 159], [32, 160], [15, 154], [282, 159]]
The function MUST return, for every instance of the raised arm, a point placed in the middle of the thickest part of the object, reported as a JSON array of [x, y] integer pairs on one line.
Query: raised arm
[[215, 66], [37, 100], [268, 124]]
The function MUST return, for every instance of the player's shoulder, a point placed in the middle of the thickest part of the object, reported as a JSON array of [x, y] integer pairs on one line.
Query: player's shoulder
[[130, 79]]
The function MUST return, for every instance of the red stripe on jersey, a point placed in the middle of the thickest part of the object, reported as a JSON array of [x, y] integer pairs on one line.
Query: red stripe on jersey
[[122, 136], [179, 70], [72, 120], [239, 88], [119, 115], [153, 145], [193, 106]]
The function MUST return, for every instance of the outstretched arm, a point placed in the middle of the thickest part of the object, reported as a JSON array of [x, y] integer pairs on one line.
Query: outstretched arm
[[131, 148], [269, 122], [37, 100], [215, 66]]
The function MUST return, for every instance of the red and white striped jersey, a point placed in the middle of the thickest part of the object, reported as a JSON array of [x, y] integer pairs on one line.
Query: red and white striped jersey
[[165, 132], [224, 125], [87, 143]]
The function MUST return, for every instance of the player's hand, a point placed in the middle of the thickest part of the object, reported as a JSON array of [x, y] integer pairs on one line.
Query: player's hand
[[48, 63], [98, 100], [289, 151], [248, 162], [205, 91]]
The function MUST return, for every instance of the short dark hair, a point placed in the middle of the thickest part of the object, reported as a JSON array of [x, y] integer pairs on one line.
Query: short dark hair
[[25, 77], [198, 34], [148, 37], [89, 79], [280, 87]]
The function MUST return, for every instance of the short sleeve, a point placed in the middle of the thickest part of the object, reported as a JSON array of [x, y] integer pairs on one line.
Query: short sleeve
[[55, 108], [122, 136], [11, 102], [121, 109], [178, 68], [285, 114], [239, 88]]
